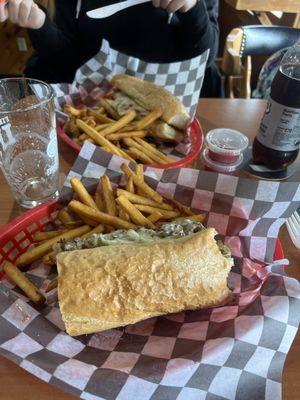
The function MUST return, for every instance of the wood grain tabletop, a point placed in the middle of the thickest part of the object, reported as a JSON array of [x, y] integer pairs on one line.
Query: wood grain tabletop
[[243, 115], [287, 6]]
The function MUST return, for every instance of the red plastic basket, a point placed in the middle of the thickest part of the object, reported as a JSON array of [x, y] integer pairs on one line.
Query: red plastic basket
[[17, 236], [196, 138]]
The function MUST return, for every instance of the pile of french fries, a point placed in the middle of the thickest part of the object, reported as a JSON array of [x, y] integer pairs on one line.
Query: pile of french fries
[[123, 136], [134, 205]]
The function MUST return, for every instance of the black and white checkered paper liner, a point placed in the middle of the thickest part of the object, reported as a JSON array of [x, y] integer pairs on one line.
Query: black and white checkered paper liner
[[183, 78], [232, 352]]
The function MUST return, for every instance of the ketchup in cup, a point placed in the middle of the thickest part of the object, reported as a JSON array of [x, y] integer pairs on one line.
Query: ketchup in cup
[[224, 150], [226, 145]]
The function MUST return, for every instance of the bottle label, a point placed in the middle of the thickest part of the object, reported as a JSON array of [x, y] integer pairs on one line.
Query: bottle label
[[280, 127]]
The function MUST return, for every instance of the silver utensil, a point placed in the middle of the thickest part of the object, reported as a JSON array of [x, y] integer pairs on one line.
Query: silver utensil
[[293, 227], [107, 11]]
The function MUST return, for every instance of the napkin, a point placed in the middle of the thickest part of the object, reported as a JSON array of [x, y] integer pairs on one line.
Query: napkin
[[232, 352]]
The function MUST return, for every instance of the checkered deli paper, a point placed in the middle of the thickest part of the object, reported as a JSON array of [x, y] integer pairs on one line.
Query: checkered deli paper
[[183, 78], [235, 351]]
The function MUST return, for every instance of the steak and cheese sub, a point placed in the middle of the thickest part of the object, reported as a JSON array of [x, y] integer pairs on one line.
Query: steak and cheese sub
[[112, 280]]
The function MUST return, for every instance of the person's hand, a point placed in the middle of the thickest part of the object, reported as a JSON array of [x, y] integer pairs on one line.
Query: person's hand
[[172, 6], [24, 13]]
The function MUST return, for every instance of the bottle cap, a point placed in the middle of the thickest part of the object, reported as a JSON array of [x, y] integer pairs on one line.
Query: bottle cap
[[220, 167]]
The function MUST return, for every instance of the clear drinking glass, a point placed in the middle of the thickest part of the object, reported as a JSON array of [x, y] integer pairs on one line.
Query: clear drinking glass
[[28, 141]]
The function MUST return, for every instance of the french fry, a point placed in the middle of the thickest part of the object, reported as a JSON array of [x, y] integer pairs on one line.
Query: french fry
[[23, 283], [148, 119], [68, 220], [137, 199], [155, 158], [116, 126], [99, 202], [140, 155], [49, 259], [139, 170], [135, 215], [196, 218], [39, 251], [87, 221], [122, 214], [90, 121], [72, 110], [155, 216], [82, 193], [153, 150], [108, 108], [140, 173], [41, 236], [99, 216], [102, 126], [105, 148], [142, 185], [83, 137], [129, 184], [122, 135], [97, 137], [100, 117], [126, 156], [183, 209], [98, 229], [166, 214], [108, 195], [52, 285]]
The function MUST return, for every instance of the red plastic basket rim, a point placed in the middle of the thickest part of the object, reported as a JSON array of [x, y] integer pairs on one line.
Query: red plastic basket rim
[[16, 222], [197, 137]]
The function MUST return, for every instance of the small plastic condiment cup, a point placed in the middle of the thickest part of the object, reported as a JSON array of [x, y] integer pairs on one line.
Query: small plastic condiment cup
[[223, 168], [226, 145]]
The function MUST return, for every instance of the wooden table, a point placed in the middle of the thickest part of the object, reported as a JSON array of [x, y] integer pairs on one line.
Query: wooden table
[[261, 7], [243, 115]]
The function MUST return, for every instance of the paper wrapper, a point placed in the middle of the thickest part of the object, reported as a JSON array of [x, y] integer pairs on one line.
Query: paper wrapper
[[183, 78], [232, 352]]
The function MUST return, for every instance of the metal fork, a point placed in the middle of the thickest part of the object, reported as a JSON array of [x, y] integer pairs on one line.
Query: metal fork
[[293, 227]]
